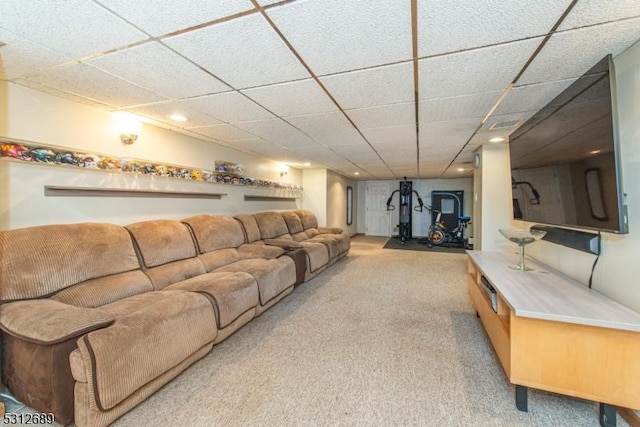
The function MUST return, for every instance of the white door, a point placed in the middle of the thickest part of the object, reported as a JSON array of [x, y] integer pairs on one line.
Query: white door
[[377, 221]]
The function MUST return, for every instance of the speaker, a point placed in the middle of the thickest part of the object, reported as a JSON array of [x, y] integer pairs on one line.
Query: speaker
[[579, 240]]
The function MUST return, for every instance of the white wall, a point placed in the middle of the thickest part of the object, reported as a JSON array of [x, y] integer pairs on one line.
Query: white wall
[[337, 202], [35, 117], [315, 196], [494, 200]]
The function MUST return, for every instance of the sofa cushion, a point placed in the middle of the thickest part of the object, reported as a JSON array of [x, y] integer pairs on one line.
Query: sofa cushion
[[219, 258], [317, 254], [271, 225], [47, 322], [232, 293], [104, 290], [39, 261], [273, 276], [214, 232], [308, 218], [153, 333], [293, 222], [162, 241], [250, 226]]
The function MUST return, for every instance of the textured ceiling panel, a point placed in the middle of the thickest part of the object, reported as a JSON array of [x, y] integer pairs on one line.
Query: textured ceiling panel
[[163, 112], [230, 107], [92, 83], [278, 131], [293, 98], [315, 124], [14, 63], [63, 94], [336, 35], [569, 54], [372, 87], [400, 136], [476, 71], [244, 52], [460, 107], [385, 115], [154, 67], [532, 97], [339, 137], [58, 24], [454, 26], [591, 12], [158, 17], [224, 132]]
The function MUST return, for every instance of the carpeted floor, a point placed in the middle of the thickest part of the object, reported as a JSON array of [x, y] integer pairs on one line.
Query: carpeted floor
[[377, 340], [420, 245]]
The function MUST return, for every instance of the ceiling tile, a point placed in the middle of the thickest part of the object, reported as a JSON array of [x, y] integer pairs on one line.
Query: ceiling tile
[[454, 26], [531, 97], [372, 87], [570, 54], [476, 105], [16, 64], [155, 67], [316, 124], [41, 21], [591, 12], [162, 113], [339, 137], [89, 82], [244, 52], [292, 98], [384, 115], [336, 35], [278, 131], [224, 132], [159, 17], [480, 70], [230, 107], [396, 135], [62, 94]]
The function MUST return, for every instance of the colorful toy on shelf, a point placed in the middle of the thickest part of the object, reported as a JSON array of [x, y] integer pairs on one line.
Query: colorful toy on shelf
[[223, 173]]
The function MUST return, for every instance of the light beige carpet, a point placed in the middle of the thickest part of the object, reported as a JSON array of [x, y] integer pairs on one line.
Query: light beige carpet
[[383, 338]]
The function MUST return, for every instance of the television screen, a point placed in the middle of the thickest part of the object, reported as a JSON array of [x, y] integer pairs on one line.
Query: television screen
[[564, 160]]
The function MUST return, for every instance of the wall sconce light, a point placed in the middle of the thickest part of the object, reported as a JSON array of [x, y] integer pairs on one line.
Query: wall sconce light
[[128, 126], [128, 138], [283, 169]]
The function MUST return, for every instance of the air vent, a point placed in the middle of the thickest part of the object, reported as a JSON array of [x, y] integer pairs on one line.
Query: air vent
[[505, 124]]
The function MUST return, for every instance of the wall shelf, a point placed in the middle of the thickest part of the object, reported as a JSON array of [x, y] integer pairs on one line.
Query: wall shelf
[[251, 198], [56, 191]]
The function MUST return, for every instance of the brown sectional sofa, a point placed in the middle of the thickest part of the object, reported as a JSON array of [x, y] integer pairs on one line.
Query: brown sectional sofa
[[97, 317]]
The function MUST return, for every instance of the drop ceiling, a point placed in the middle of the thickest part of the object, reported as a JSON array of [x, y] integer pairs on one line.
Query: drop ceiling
[[385, 88]]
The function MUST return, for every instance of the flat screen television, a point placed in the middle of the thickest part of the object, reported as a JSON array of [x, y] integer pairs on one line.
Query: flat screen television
[[565, 166]]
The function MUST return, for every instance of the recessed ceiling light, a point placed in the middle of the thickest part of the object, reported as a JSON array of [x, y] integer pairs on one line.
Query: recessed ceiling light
[[496, 139], [356, 173], [178, 118], [306, 164], [594, 151], [460, 169]]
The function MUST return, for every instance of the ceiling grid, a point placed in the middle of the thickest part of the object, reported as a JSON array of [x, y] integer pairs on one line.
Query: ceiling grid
[[390, 88]]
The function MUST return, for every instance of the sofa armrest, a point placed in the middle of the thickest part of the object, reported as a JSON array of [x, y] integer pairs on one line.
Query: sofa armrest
[[283, 243], [249, 251], [45, 321], [330, 230]]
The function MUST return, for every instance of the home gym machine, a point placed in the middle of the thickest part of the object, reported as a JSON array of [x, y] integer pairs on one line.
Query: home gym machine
[[406, 201]]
